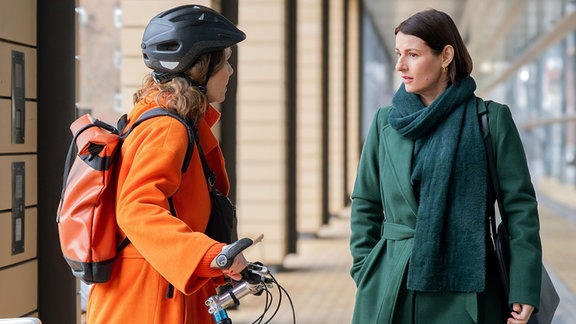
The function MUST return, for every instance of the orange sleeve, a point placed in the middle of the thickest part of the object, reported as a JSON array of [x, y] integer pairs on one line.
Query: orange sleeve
[[203, 269]]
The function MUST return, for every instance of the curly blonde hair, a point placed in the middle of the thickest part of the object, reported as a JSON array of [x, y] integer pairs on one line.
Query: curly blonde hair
[[177, 94]]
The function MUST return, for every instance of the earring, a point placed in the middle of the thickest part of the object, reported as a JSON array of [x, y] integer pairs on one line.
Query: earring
[[444, 69]]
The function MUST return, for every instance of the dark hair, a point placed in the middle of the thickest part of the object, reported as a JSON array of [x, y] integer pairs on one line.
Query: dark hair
[[437, 29]]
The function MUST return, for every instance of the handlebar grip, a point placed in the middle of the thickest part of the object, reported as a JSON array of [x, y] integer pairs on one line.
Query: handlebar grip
[[225, 259]]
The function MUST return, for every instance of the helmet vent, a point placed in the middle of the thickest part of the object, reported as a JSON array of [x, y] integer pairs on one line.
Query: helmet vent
[[168, 47], [192, 18]]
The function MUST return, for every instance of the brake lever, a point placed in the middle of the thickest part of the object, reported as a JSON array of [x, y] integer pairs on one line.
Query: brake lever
[[256, 273]]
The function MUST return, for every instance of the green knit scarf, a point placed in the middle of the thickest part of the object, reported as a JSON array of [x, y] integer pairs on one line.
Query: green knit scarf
[[449, 168]]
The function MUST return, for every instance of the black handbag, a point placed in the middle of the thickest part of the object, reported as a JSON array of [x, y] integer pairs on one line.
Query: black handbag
[[222, 225], [549, 298]]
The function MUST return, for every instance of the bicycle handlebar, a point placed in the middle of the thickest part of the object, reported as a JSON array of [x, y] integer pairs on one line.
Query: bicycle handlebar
[[254, 278], [225, 259]]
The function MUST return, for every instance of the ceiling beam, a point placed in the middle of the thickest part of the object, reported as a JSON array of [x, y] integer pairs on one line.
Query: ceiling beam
[[564, 26]]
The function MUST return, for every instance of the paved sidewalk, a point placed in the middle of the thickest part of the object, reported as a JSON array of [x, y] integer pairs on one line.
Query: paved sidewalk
[[316, 278]]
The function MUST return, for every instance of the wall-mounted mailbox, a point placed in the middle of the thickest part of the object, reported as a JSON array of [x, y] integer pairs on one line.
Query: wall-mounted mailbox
[[18, 97], [18, 178]]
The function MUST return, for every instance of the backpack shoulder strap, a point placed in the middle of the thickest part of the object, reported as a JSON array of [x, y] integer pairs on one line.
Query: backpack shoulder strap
[[156, 112]]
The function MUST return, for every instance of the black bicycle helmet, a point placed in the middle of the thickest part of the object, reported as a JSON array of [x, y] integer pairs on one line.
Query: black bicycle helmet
[[175, 39]]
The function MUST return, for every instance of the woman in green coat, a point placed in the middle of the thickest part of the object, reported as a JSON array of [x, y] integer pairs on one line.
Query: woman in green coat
[[420, 241]]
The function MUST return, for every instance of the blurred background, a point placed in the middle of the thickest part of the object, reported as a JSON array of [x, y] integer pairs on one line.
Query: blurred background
[[308, 80]]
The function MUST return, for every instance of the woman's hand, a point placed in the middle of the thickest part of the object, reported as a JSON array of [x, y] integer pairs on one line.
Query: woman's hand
[[236, 268], [520, 314]]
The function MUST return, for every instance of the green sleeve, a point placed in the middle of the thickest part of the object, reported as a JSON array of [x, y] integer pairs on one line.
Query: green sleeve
[[521, 207]]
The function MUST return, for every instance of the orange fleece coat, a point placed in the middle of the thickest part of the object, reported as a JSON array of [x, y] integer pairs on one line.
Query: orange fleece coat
[[165, 249]]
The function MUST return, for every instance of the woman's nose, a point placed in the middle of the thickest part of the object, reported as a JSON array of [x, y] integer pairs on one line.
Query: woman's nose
[[400, 65]]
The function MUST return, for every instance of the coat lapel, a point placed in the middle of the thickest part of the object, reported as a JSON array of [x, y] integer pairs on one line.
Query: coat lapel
[[399, 154]]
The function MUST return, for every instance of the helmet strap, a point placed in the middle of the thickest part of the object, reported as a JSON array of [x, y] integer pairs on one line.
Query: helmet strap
[[211, 65], [194, 83], [202, 86]]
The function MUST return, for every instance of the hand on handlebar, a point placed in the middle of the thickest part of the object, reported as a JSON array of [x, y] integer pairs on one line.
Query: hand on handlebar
[[235, 270], [231, 260]]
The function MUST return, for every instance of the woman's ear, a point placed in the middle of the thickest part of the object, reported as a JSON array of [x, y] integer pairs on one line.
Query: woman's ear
[[447, 55]]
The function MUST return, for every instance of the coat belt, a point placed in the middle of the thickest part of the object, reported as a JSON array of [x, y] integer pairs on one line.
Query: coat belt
[[397, 232]]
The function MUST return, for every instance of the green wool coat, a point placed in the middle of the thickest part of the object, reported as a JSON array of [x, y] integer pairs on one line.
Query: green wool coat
[[383, 219]]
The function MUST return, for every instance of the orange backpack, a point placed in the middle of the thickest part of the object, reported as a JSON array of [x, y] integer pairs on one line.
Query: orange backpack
[[87, 212]]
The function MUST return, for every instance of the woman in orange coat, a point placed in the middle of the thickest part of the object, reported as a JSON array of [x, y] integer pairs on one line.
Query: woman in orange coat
[[164, 275]]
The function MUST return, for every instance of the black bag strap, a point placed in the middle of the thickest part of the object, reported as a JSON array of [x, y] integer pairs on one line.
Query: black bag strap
[[208, 173], [492, 171]]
